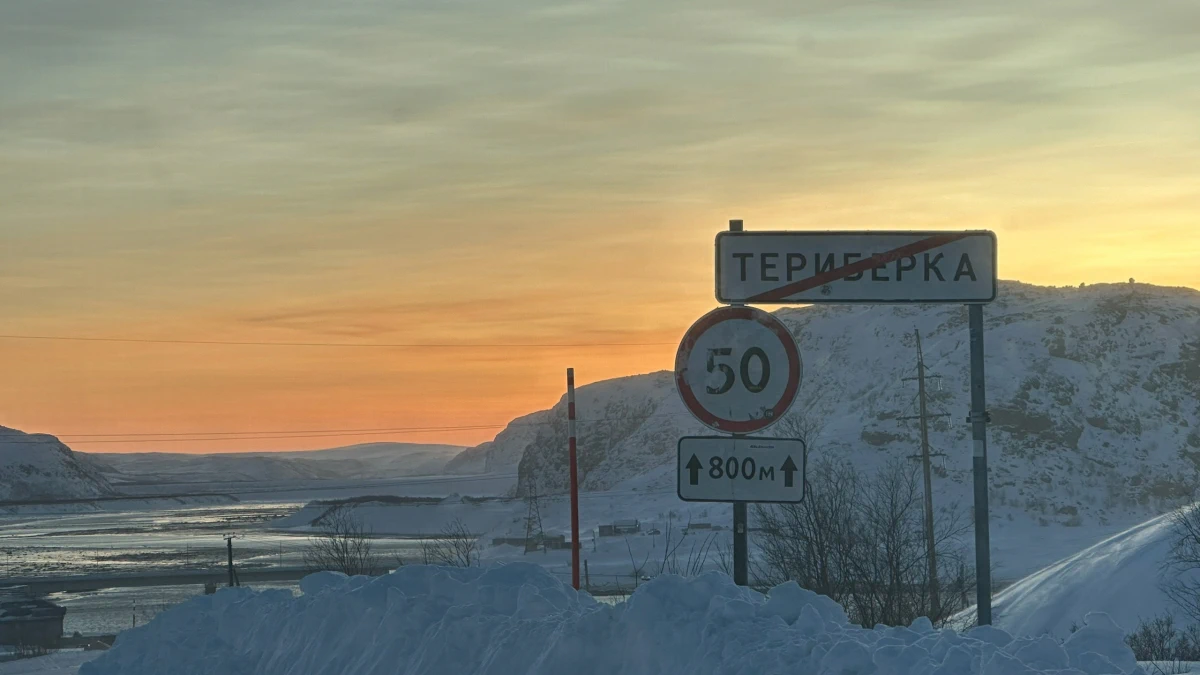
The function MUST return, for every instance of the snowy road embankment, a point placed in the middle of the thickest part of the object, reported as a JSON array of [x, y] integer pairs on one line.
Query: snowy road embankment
[[516, 619]]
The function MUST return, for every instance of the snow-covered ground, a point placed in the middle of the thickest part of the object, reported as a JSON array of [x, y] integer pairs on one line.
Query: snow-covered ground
[[1121, 576], [1019, 547], [58, 663], [516, 619]]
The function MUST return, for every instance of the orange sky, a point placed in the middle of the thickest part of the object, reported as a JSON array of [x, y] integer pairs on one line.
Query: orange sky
[[292, 171]]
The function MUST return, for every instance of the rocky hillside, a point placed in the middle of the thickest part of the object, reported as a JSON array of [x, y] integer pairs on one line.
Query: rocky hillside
[[40, 467], [1094, 394]]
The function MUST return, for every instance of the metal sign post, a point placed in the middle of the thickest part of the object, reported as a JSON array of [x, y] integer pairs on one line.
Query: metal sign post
[[741, 525], [979, 420]]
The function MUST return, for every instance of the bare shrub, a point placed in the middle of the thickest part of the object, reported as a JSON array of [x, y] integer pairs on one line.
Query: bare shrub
[[1179, 580], [638, 570], [1166, 646], [861, 541], [456, 546], [343, 544], [697, 555]]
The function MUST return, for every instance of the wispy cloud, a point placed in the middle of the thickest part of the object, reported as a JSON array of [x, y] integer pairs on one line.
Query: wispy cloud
[[296, 166]]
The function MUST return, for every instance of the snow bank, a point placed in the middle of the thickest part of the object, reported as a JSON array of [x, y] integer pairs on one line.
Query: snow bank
[[516, 619], [1121, 576]]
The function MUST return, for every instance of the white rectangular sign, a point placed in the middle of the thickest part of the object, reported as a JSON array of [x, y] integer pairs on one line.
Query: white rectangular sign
[[848, 267], [732, 469]]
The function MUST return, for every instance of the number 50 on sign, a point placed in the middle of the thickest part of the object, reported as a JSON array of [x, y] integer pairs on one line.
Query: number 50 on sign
[[738, 369]]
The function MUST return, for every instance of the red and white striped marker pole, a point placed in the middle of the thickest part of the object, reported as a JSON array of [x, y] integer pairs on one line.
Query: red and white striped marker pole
[[574, 478]]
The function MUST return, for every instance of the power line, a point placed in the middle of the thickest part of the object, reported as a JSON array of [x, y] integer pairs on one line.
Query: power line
[[265, 438], [357, 345], [174, 437], [279, 431], [250, 436]]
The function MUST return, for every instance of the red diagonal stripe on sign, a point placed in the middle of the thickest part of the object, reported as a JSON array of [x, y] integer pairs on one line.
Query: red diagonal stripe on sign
[[863, 265]]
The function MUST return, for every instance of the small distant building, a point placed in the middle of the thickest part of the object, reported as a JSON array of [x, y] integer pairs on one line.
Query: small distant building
[[555, 542], [606, 531], [626, 527], [510, 541], [30, 621], [700, 526]]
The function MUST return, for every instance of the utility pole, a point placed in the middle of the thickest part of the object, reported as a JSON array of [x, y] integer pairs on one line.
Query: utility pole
[[229, 545], [930, 539], [533, 516]]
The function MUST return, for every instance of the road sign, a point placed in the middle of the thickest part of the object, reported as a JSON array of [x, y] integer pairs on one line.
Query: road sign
[[738, 369], [851, 267], [741, 469]]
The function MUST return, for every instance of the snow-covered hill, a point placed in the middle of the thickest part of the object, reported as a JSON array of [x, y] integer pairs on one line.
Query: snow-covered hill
[[1121, 576], [368, 460], [1094, 394], [40, 467]]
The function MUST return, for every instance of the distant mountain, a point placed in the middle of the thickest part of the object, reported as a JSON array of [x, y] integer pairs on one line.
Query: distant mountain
[[40, 467], [364, 461], [1094, 394], [470, 461]]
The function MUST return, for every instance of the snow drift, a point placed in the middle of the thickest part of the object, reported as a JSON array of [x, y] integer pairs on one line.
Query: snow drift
[[516, 620], [1121, 576]]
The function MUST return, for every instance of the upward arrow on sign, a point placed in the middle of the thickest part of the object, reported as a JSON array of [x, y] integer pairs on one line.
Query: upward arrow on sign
[[789, 470], [693, 467]]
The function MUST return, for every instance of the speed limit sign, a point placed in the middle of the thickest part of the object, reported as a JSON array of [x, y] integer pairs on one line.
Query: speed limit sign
[[738, 369]]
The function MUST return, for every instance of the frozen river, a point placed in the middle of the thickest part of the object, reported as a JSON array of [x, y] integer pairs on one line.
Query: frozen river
[[177, 539]]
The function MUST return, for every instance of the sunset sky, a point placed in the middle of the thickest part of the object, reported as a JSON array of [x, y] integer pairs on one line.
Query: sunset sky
[[524, 172]]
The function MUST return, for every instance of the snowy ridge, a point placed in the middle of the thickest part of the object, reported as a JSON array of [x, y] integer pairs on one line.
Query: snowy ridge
[[1094, 394], [517, 619], [39, 467], [1120, 576], [366, 460]]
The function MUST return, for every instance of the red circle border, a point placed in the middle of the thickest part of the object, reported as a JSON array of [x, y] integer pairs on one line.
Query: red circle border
[[719, 315]]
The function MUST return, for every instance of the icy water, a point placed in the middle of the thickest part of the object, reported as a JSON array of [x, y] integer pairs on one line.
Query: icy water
[[185, 538], [112, 610], [150, 541]]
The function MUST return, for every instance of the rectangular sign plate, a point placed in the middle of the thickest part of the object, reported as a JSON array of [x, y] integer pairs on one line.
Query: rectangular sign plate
[[850, 267], [745, 469]]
